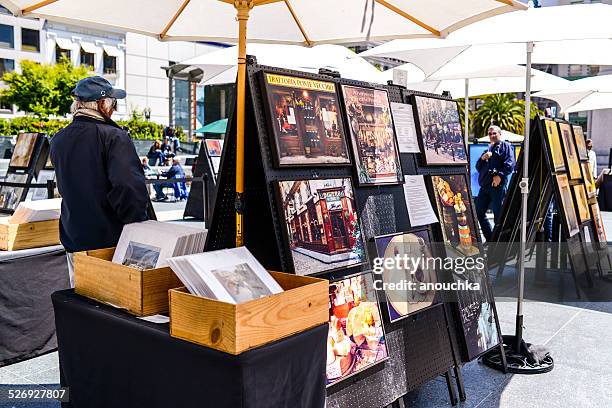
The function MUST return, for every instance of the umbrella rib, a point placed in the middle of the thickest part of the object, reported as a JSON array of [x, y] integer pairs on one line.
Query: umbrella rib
[[173, 20], [36, 6], [409, 17], [298, 22]]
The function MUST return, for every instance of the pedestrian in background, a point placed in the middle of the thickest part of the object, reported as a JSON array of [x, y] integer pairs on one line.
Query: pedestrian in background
[[592, 158]]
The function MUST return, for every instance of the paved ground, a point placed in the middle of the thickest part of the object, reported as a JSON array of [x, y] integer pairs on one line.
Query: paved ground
[[577, 331]]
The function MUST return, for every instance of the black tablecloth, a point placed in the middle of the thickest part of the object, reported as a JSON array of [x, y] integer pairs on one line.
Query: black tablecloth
[[27, 280], [111, 359]]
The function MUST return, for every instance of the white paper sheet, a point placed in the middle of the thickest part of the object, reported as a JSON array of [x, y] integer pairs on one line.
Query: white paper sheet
[[419, 206], [405, 128]]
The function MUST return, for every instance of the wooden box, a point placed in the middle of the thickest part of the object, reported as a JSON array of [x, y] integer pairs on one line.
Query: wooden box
[[141, 293], [14, 237], [237, 328]]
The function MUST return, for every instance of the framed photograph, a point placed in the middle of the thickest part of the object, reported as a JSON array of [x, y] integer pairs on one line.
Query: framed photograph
[[441, 136], [305, 119], [569, 150], [41, 193], [11, 196], [580, 142], [582, 204], [322, 225], [24, 150], [416, 246], [356, 336], [454, 204], [141, 256], [567, 202], [589, 180], [598, 221], [373, 138], [214, 147], [554, 144]]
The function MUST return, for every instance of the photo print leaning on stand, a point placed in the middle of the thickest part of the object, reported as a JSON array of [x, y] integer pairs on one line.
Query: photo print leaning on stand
[[99, 174]]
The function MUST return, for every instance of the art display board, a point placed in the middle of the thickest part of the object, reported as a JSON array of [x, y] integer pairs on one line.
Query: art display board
[[208, 163], [288, 220]]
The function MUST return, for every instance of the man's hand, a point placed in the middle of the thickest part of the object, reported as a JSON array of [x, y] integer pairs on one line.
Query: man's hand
[[486, 156], [496, 181]]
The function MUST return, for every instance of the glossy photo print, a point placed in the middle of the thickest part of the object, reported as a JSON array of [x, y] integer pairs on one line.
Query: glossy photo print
[[372, 136], [322, 225], [415, 245], [11, 196], [306, 123], [24, 150], [554, 144], [569, 149], [356, 337], [582, 204], [567, 202], [214, 147], [441, 131], [589, 180], [455, 213], [580, 142]]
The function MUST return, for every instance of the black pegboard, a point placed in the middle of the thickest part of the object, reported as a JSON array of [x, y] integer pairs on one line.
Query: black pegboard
[[264, 236]]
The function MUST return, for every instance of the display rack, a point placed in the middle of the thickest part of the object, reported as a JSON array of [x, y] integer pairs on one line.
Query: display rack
[[422, 346], [203, 188]]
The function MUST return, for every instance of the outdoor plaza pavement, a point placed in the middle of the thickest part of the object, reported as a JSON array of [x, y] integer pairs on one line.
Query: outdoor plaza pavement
[[576, 331]]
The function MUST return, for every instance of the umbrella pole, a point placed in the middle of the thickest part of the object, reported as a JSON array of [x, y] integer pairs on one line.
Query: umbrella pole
[[467, 110], [525, 194], [242, 10]]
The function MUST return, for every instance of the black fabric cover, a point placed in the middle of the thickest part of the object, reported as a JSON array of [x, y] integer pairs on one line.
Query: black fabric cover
[[605, 194], [26, 313], [111, 359]]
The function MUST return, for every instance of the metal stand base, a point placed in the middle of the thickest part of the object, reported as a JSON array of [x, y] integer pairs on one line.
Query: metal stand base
[[517, 362]]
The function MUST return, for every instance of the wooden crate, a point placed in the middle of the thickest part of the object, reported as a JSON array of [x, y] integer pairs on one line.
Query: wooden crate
[[237, 328], [141, 293], [14, 237]]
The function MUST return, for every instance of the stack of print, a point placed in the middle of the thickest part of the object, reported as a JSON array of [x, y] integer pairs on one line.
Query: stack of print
[[149, 244], [34, 211], [229, 275]]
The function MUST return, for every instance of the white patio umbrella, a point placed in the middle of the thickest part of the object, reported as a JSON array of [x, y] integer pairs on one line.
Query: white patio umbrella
[[220, 67], [582, 95], [302, 22]]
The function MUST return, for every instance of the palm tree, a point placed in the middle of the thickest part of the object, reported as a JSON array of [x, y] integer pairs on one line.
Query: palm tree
[[503, 110]]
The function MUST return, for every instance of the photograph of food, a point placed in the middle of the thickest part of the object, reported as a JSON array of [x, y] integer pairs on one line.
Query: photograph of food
[[306, 123], [372, 135], [582, 203], [455, 211], [580, 142], [554, 144], [569, 148], [567, 203], [24, 148], [356, 338], [415, 245], [322, 224], [441, 131]]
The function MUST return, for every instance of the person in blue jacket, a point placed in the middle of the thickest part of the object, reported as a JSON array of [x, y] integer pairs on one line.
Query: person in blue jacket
[[494, 167], [174, 172], [98, 172]]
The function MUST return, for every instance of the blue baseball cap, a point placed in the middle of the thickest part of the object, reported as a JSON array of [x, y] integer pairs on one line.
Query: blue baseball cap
[[94, 88]]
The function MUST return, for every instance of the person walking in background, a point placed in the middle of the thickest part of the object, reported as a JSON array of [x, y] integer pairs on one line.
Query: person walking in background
[[494, 167], [592, 158]]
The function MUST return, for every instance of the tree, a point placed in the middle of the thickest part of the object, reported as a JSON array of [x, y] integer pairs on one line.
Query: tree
[[42, 89], [503, 110]]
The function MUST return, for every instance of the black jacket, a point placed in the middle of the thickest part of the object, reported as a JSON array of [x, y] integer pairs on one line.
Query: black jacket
[[101, 181]]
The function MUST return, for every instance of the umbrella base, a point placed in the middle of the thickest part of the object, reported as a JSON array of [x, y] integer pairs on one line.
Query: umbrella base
[[518, 362]]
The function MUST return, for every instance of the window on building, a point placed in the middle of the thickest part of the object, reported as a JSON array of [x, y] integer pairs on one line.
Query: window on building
[[7, 39], [61, 53], [87, 59], [182, 109], [4, 10], [110, 64], [30, 40], [6, 65]]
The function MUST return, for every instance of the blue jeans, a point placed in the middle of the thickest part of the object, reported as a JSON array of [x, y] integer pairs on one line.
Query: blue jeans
[[156, 157], [159, 189], [490, 197]]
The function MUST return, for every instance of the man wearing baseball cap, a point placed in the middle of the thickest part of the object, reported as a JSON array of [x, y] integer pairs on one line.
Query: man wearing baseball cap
[[98, 172]]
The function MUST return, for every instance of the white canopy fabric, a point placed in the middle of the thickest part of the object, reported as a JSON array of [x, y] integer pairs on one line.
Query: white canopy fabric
[[505, 135], [576, 34], [64, 43], [288, 21], [220, 66], [582, 95], [111, 50], [89, 47]]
